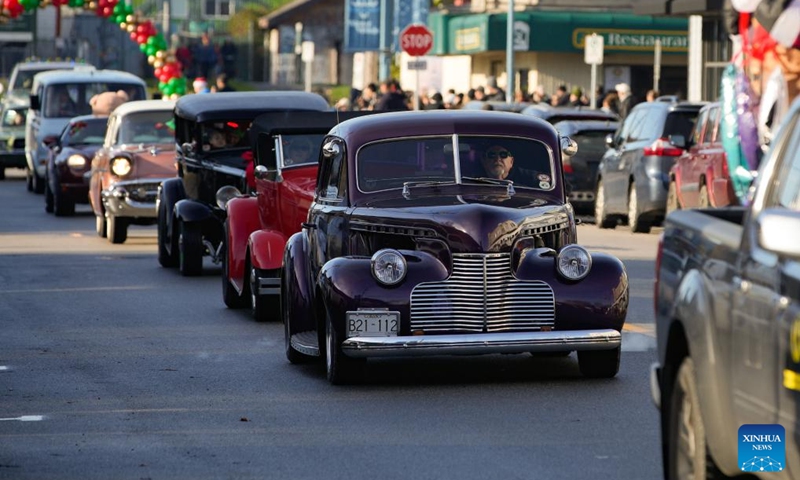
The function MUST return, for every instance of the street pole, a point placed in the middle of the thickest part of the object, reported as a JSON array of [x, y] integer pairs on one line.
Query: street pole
[[383, 55], [165, 20], [416, 86], [593, 97], [510, 88], [657, 65]]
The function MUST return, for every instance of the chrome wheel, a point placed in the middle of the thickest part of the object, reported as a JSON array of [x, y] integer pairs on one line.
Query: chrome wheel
[[600, 217]]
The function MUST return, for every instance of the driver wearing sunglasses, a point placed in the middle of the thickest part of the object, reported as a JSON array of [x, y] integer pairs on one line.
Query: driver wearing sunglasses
[[498, 162]]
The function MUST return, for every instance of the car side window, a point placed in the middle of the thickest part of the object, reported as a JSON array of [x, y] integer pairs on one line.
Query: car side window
[[698, 135], [786, 192], [712, 126]]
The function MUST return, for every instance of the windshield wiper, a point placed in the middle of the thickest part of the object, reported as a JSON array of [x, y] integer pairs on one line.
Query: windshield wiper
[[407, 185], [494, 181]]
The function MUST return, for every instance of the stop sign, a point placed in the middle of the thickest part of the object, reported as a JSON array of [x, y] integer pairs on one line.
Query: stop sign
[[416, 40]]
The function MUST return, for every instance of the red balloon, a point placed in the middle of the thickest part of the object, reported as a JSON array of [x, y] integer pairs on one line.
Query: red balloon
[[134, 36], [141, 28], [157, 72]]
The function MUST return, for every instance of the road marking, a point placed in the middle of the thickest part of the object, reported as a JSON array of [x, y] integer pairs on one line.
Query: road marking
[[644, 328], [24, 418], [77, 289]]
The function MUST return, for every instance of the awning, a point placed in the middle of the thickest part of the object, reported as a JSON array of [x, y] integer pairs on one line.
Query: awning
[[557, 32]]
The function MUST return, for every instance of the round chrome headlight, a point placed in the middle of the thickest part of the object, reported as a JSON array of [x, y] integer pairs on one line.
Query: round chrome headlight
[[388, 267], [121, 166], [76, 161], [574, 262], [225, 194]]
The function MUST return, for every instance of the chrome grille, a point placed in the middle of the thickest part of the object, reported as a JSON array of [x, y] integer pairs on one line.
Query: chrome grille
[[143, 192], [482, 295]]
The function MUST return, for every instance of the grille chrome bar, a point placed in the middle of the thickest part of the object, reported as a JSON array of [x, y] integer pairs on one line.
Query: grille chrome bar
[[482, 295]]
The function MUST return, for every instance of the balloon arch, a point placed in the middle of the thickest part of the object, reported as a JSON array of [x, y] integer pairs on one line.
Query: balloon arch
[[168, 70]]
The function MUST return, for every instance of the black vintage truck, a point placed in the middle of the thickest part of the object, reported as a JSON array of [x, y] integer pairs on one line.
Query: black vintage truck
[[727, 306]]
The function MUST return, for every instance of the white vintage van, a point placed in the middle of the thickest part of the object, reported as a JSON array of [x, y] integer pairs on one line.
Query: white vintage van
[[59, 95]]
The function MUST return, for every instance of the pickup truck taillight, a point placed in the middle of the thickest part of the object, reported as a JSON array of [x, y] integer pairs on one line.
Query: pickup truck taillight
[[659, 253], [662, 148]]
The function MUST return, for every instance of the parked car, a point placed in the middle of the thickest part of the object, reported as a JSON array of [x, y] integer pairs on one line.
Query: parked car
[[287, 148], [727, 309], [21, 80], [138, 153], [59, 95], [560, 114], [700, 176], [580, 170], [412, 248], [69, 160], [633, 175], [12, 136], [212, 133]]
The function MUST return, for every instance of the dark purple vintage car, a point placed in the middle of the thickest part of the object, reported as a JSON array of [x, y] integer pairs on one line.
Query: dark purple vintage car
[[446, 233]]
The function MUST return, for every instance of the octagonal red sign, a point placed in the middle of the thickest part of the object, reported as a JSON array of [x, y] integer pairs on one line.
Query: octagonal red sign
[[416, 40]]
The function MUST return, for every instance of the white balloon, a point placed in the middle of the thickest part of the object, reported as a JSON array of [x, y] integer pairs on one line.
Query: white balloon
[[745, 6]]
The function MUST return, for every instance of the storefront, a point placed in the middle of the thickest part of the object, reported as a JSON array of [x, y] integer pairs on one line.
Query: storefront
[[549, 48]]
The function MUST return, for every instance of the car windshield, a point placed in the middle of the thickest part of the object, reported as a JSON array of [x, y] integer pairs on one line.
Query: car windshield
[[146, 127], [301, 149], [390, 164], [14, 117], [72, 99], [85, 132], [24, 78]]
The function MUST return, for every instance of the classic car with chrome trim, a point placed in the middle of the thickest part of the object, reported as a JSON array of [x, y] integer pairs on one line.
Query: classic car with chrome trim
[[12, 136], [69, 159], [446, 232], [214, 152], [137, 155], [286, 147]]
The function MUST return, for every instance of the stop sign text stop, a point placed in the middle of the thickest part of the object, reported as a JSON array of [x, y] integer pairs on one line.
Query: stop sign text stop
[[416, 40]]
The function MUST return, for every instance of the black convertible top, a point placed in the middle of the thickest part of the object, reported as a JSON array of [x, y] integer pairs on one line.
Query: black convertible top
[[230, 105]]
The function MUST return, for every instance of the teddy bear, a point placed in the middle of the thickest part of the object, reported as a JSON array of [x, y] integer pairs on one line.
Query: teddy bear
[[105, 103]]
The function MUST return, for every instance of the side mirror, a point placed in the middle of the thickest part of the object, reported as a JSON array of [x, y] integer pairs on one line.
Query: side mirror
[[261, 172], [50, 141], [678, 140], [610, 140], [568, 146], [778, 230], [332, 148], [187, 148], [35, 103]]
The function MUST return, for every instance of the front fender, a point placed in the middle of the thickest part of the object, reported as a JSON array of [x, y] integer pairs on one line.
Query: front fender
[[346, 284], [266, 249], [242, 220], [297, 293], [170, 192], [694, 308], [191, 211], [600, 300]]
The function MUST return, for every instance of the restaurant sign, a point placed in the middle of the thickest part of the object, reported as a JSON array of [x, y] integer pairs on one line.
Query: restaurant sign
[[634, 40]]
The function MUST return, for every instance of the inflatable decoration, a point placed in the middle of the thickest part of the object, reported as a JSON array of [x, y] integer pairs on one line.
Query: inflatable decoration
[[168, 70]]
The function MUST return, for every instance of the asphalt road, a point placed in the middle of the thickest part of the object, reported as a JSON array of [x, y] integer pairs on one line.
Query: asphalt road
[[112, 367]]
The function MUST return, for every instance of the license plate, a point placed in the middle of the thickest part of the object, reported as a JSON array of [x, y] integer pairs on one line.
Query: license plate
[[373, 323]]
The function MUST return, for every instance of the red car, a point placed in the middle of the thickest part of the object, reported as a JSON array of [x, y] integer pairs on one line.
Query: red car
[[699, 178], [286, 146]]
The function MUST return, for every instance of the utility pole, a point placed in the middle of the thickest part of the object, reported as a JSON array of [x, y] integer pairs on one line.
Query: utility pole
[[383, 47], [510, 88]]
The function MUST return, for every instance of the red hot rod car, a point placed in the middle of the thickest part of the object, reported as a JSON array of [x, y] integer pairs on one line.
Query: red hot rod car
[[287, 147]]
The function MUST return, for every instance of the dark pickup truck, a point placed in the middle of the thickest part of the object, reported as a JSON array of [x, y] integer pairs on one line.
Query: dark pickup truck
[[727, 307]]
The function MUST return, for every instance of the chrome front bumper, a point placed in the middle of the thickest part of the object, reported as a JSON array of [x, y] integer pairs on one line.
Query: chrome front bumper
[[118, 199], [481, 343]]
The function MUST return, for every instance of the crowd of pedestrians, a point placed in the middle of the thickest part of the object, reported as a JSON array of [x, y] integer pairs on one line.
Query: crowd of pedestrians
[[206, 59], [390, 96]]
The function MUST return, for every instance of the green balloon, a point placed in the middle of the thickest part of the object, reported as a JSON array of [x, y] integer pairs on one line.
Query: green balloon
[[143, 48], [162, 85]]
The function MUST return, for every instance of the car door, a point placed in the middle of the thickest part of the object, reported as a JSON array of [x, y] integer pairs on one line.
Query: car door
[[786, 374], [690, 164], [614, 175], [645, 131], [718, 180], [326, 216], [758, 305]]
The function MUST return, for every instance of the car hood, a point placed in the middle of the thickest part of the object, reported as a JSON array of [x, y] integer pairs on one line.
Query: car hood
[[477, 225]]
